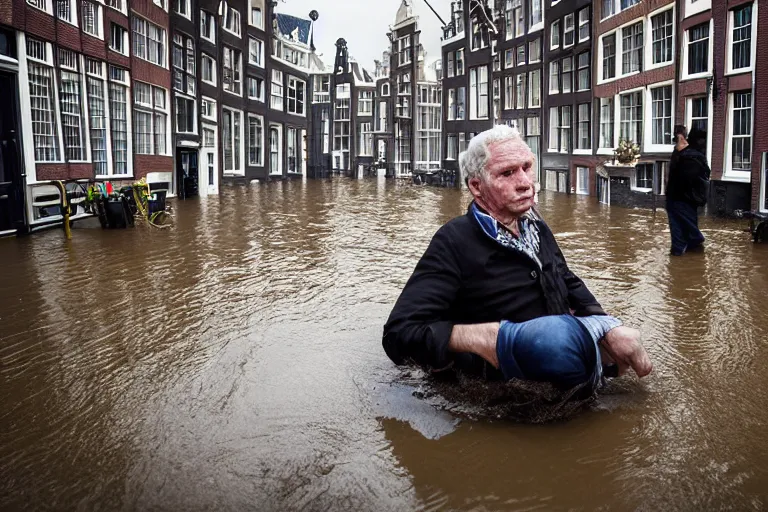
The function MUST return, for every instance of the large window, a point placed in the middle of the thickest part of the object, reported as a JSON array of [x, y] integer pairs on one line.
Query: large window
[[71, 100], [365, 103], [150, 115], [609, 56], [184, 64], [118, 118], [231, 136], [182, 7], [520, 90], [661, 115], [554, 77], [97, 117], [255, 140], [583, 135], [514, 18], [554, 35], [631, 117], [231, 70], [452, 151], [698, 49], [276, 90], [535, 13], [606, 123], [661, 33], [509, 92], [584, 30], [632, 48], [256, 88], [478, 87], [148, 41], [293, 145], [534, 88], [256, 52], [611, 7], [534, 51], [296, 94], [118, 39], [566, 79], [208, 69], [582, 180], [42, 99], [185, 115], [461, 102], [699, 113], [366, 139], [740, 37], [207, 26], [584, 73], [560, 129], [403, 47], [92, 23], [569, 31], [480, 38], [741, 131], [230, 21], [644, 176]]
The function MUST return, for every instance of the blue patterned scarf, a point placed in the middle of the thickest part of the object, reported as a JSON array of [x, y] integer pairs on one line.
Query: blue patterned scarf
[[527, 243]]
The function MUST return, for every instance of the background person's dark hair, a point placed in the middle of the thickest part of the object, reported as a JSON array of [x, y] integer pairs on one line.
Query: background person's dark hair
[[679, 130], [697, 139]]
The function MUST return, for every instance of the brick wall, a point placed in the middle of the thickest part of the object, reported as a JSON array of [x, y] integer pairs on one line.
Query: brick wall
[[638, 80], [64, 171], [6, 13], [144, 164], [642, 9]]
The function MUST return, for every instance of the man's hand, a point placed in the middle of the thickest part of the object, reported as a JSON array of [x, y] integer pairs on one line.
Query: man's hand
[[477, 339], [624, 348]]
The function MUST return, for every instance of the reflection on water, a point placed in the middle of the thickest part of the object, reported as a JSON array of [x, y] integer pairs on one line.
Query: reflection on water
[[234, 362]]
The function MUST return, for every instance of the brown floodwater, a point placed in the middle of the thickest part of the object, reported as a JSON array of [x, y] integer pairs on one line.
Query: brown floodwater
[[234, 362]]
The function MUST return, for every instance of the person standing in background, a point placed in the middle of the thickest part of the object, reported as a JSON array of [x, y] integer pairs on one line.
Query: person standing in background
[[687, 189]]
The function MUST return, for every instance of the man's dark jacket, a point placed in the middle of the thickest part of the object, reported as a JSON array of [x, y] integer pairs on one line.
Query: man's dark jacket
[[465, 277], [688, 177]]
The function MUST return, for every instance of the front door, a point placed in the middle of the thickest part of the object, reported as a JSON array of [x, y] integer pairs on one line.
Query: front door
[[186, 173], [209, 172], [11, 174]]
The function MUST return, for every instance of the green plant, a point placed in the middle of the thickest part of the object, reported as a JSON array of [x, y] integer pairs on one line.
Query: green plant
[[627, 152]]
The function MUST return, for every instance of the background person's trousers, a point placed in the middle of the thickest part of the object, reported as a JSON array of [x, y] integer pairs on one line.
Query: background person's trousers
[[555, 349], [683, 226]]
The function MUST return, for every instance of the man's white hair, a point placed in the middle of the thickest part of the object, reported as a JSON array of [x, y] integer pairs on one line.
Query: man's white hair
[[473, 161]]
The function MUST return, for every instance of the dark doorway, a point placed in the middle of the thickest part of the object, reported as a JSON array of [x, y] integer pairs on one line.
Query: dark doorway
[[11, 170], [186, 173]]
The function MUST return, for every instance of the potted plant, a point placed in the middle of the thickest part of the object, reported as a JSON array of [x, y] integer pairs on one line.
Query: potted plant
[[627, 152]]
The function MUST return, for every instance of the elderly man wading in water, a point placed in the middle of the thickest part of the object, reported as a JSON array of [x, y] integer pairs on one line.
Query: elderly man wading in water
[[493, 296]]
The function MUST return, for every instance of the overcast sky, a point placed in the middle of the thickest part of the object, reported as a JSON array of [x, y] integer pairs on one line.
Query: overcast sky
[[364, 24]]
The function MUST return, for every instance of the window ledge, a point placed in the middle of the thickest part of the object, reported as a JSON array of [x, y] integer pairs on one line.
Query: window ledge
[[737, 176], [230, 32], [740, 71], [114, 176], [238, 94], [212, 41], [649, 67], [696, 76], [605, 151], [582, 151]]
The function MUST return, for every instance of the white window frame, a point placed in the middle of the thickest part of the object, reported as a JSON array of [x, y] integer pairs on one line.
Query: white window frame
[[579, 172], [82, 105], [226, 18], [54, 105], [552, 45], [365, 97], [293, 85], [554, 65], [195, 120], [533, 27], [644, 113], [531, 103], [710, 54], [602, 150], [205, 15], [44, 5], [689, 119], [97, 73], [648, 144], [151, 109], [648, 40], [618, 71], [243, 142], [99, 15], [122, 5], [278, 127], [214, 111], [237, 64], [126, 83], [616, 9], [187, 4], [164, 32], [576, 120], [260, 157], [581, 23], [277, 99], [205, 56], [260, 51], [475, 95], [124, 42], [753, 42], [366, 139], [696, 6], [572, 16], [259, 98], [531, 60], [728, 173], [252, 7], [74, 11]]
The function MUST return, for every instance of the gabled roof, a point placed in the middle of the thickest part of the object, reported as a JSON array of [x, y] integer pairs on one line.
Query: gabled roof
[[291, 27]]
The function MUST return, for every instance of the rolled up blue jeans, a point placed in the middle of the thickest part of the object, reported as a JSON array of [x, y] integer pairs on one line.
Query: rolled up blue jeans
[[555, 349]]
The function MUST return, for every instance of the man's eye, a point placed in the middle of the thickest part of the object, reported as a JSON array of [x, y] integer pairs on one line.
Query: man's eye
[[507, 173]]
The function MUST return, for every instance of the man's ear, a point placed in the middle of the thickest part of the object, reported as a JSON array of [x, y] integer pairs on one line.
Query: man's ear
[[474, 186]]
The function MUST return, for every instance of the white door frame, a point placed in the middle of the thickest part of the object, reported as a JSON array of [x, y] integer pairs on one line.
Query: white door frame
[[279, 170], [202, 164]]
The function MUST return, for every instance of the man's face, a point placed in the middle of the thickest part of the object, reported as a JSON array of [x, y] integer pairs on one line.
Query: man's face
[[508, 189]]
